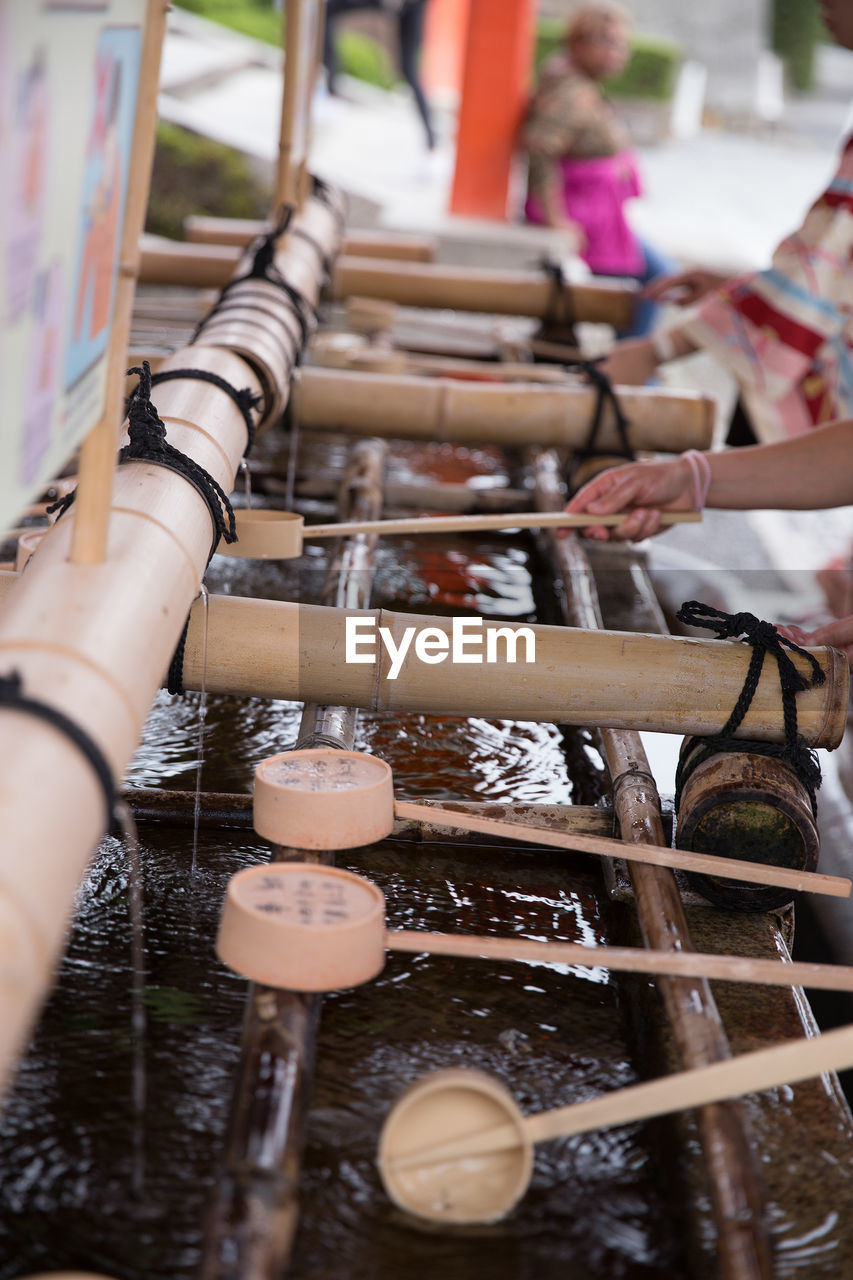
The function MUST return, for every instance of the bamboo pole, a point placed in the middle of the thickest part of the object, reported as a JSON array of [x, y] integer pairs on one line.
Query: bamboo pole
[[416, 284], [255, 1208], [608, 679], [440, 409], [512, 293], [736, 1186], [93, 641], [203, 229], [294, 107], [97, 454], [205, 266]]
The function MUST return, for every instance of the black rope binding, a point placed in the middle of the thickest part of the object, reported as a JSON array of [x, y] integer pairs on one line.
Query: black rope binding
[[263, 268], [175, 675], [245, 399], [148, 443], [764, 639], [13, 697], [559, 311], [324, 192]]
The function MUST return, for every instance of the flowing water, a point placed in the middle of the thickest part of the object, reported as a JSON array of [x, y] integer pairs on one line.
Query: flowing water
[[600, 1205]]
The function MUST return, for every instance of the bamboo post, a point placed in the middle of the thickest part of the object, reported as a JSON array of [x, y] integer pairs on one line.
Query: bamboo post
[[291, 144], [97, 453], [502, 292], [255, 1209], [440, 409], [607, 679], [736, 1185], [204, 229]]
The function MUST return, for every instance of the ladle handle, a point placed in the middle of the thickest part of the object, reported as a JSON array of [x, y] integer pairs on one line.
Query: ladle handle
[[499, 520], [705, 863], [749, 1073], [678, 964]]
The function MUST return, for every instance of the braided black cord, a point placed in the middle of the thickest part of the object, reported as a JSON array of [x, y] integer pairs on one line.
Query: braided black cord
[[245, 399], [764, 639], [322, 191], [148, 443], [13, 697], [560, 309], [605, 394], [175, 676], [263, 268]]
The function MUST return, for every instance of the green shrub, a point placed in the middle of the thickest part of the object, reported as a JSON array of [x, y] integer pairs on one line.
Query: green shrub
[[796, 30], [257, 18], [364, 58], [194, 175], [650, 73]]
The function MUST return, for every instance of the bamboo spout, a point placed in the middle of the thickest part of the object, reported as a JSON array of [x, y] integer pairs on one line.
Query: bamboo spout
[[663, 683], [409, 407]]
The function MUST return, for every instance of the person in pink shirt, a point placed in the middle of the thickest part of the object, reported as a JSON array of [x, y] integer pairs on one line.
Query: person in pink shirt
[[581, 168]]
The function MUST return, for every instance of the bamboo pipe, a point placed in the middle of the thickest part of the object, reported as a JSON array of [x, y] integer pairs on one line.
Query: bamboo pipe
[[676, 964], [93, 641], [203, 229], [657, 855], [747, 1073], [737, 1190], [664, 683], [517, 293], [416, 284], [164, 261], [447, 409], [97, 453]]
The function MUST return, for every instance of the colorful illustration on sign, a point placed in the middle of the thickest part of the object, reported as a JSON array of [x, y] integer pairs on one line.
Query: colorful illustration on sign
[[44, 368], [29, 181], [104, 186]]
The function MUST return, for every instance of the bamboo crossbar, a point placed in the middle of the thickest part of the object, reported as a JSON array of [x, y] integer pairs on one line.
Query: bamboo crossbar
[[669, 684], [423, 408], [502, 292], [204, 229], [656, 855], [676, 964]]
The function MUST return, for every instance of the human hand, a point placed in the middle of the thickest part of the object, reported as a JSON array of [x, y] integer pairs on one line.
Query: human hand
[[643, 489], [631, 363], [838, 634], [683, 288]]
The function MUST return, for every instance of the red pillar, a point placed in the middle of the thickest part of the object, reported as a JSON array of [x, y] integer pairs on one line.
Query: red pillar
[[495, 87], [444, 45]]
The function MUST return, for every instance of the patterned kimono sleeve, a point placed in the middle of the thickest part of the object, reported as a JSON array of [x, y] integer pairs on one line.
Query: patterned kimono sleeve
[[550, 127], [786, 333]]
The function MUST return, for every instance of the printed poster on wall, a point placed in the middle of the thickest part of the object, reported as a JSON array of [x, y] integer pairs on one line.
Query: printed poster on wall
[[69, 77]]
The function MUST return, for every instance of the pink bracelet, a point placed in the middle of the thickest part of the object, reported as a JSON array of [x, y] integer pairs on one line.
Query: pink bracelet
[[700, 469]]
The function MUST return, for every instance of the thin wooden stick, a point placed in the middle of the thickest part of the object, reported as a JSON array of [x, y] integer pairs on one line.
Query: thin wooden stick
[[677, 964], [656, 855], [501, 520], [761, 1069]]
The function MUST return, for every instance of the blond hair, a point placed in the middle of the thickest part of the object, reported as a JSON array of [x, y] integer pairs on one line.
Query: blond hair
[[590, 19]]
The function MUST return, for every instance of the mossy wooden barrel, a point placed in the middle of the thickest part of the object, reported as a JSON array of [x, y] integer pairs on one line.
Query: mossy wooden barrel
[[745, 805]]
